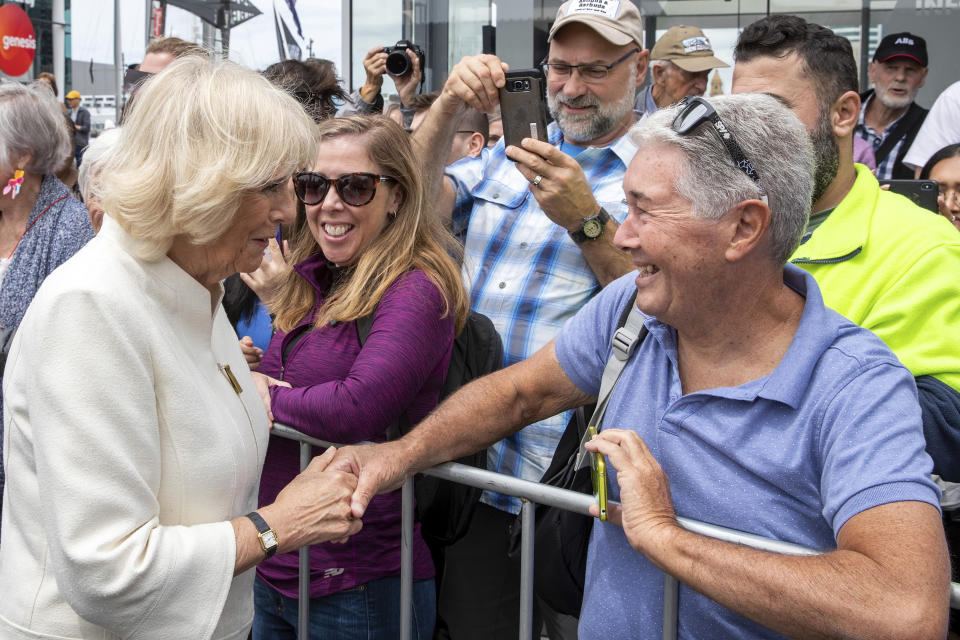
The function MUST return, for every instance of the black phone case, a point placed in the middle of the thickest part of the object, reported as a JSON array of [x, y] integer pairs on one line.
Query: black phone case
[[524, 112], [924, 193]]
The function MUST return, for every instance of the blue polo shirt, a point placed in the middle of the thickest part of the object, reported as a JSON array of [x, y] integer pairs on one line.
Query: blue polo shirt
[[833, 431]]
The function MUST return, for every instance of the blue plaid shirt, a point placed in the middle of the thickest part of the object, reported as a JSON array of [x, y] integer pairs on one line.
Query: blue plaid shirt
[[526, 274], [884, 170]]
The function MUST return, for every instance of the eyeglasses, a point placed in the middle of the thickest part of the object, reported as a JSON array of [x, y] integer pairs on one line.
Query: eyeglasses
[[588, 72], [355, 189], [949, 194], [694, 112]]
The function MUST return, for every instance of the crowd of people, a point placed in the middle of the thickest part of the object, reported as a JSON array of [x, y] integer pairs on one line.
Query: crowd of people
[[310, 259]]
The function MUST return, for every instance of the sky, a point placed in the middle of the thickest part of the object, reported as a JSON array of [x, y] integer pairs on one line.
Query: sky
[[252, 44]]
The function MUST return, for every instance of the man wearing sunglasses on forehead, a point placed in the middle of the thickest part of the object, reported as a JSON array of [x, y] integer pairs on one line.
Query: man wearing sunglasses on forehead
[[539, 223]]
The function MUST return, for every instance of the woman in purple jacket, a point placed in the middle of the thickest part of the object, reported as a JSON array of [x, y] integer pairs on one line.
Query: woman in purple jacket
[[369, 247]]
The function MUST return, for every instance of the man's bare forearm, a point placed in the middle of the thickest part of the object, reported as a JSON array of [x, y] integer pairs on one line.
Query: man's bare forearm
[[432, 141]]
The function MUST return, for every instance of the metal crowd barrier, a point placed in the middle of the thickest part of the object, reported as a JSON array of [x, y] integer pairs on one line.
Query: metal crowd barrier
[[531, 493]]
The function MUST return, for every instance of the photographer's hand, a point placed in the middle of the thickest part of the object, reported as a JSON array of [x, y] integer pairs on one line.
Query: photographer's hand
[[407, 85], [375, 64]]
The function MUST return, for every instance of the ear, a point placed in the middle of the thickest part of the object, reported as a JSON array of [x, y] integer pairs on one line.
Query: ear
[[658, 73], [643, 62], [475, 145], [750, 220], [923, 77], [845, 113], [871, 70], [396, 199]]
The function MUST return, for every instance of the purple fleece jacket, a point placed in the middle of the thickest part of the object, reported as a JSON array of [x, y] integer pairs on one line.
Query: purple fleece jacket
[[342, 393]]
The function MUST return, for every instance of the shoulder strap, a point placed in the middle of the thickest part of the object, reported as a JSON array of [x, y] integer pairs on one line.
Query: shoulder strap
[[911, 120], [630, 333], [364, 325]]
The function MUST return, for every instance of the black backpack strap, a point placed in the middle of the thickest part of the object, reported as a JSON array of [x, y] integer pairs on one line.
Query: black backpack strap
[[911, 122], [401, 425]]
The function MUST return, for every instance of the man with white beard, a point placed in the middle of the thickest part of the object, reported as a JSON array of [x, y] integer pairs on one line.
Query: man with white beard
[[889, 118], [540, 222]]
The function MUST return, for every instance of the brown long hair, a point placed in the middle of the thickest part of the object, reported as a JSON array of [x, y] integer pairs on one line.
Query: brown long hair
[[414, 239]]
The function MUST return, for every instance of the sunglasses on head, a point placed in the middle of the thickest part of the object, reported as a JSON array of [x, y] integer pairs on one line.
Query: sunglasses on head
[[355, 189], [695, 111]]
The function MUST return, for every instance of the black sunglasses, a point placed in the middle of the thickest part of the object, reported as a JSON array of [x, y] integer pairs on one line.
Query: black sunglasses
[[694, 112], [355, 189]]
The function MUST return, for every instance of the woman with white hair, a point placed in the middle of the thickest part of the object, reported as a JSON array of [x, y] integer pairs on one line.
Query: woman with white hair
[[135, 434], [96, 155]]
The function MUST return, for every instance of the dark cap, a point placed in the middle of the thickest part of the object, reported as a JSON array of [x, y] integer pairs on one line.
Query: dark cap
[[902, 44]]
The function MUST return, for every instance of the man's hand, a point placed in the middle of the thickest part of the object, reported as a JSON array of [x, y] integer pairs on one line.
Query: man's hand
[[380, 468], [407, 85], [646, 512], [475, 81], [375, 64], [563, 192]]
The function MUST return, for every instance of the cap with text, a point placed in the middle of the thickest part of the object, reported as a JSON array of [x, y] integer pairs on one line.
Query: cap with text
[[902, 44], [617, 21], [688, 48]]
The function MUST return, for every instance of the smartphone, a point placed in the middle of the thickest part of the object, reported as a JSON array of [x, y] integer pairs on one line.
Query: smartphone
[[923, 192], [598, 474], [523, 106]]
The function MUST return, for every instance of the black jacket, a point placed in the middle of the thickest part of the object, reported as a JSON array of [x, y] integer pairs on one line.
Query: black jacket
[[907, 129]]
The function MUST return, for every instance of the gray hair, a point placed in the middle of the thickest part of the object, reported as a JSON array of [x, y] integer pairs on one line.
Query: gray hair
[[98, 150], [32, 124], [771, 137]]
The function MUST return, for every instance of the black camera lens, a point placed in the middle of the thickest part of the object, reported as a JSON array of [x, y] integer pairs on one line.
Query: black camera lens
[[398, 64], [518, 85]]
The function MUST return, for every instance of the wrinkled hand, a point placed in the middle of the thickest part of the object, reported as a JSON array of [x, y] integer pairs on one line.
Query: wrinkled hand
[[475, 81], [646, 509], [252, 354], [267, 280], [407, 85], [316, 505], [380, 468], [263, 387], [563, 192]]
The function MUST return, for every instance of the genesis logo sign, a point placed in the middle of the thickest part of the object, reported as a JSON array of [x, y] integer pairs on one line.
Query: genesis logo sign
[[18, 44]]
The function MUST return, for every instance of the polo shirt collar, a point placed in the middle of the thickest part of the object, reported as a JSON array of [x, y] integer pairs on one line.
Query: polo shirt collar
[[623, 147]]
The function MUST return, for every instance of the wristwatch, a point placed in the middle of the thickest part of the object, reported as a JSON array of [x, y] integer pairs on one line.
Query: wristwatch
[[591, 228], [267, 536]]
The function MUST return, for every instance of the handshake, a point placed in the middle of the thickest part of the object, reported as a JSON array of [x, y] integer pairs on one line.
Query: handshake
[[326, 501]]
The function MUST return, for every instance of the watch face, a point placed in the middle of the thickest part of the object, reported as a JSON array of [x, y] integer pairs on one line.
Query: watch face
[[592, 228], [269, 539]]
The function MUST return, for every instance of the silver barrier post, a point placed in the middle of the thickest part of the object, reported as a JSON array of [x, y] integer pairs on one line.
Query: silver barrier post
[[671, 590], [406, 561], [526, 569], [303, 575]]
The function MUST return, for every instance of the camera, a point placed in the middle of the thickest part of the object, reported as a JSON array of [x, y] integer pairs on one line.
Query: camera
[[398, 63], [515, 86]]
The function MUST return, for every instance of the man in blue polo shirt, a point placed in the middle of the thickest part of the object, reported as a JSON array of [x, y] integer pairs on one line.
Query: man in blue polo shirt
[[748, 405]]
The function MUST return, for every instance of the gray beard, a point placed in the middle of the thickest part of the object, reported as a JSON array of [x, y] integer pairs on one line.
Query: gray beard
[[893, 103], [583, 128]]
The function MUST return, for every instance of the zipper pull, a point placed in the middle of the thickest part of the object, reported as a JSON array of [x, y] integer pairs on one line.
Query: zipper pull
[[225, 370]]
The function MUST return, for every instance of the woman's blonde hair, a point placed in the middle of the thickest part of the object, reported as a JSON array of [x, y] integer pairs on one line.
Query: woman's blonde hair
[[413, 239], [202, 134]]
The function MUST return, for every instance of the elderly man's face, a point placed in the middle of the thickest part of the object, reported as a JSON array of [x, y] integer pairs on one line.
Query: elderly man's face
[[676, 83], [589, 112], [897, 81], [677, 253]]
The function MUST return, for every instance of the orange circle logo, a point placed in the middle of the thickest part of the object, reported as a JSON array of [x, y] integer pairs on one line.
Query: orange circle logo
[[18, 44]]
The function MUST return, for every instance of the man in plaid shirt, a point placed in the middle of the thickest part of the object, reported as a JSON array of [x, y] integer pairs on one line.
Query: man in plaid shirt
[[539, 223], [889, 118]]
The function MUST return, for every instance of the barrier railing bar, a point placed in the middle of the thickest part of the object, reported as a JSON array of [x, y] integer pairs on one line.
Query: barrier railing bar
[[527, 510], [580, 503], [406, 561], [303, 575], [671, 597]]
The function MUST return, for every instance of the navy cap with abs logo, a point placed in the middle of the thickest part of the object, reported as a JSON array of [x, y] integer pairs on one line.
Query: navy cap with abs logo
[[902, 44]]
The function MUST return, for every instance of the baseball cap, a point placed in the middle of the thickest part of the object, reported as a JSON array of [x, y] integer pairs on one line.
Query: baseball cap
[[902, 44], [687, 48], [73, 94], [617, 21]]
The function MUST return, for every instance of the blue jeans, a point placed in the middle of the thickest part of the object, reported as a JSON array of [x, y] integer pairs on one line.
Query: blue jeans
[[366, 612]]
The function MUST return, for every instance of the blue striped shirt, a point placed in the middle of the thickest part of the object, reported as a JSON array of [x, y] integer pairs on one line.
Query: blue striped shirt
[[526, 274]]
